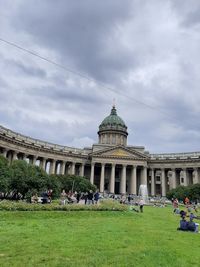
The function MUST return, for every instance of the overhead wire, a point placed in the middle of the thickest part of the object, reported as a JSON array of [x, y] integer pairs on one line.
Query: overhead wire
[[82, 75]]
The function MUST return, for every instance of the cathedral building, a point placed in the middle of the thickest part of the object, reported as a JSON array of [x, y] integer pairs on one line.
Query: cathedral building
[[111, 164]]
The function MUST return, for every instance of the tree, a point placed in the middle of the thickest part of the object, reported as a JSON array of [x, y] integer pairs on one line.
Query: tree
[[26, 178], [192, 191], [75, 183], [53, 182], [4, 175], [23, 179]]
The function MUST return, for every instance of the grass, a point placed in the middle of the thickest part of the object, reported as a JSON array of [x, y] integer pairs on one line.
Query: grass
[[96, 238]]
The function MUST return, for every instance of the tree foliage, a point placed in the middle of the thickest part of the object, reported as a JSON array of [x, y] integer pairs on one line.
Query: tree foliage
[[4, 175], [24, 179], [75, 183], [192, 192]]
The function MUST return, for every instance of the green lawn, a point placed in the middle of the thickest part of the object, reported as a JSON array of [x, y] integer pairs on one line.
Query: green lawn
[[94, 238]]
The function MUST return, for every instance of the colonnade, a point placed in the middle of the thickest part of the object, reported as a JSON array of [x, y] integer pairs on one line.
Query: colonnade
[[48, 164], [126, 177], [116, 176], [170, 178]]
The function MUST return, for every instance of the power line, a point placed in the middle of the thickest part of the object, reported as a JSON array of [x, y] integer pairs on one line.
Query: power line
[[82, 75]]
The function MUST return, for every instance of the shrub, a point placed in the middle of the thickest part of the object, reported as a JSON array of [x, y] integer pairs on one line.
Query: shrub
[[106, 205]]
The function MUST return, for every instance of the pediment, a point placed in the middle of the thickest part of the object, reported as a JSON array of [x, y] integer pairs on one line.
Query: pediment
[[119, 152]]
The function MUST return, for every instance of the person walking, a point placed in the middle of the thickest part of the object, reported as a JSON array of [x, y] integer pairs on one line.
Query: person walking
[[141, 204], [96, 197], [90, 197]]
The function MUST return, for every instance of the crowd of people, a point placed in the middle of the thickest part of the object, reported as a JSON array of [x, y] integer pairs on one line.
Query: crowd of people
[[46, 197], [89, 197], [69, 197]]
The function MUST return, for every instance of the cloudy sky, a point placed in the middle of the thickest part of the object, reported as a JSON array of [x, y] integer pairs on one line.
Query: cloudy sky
[[145, 54]]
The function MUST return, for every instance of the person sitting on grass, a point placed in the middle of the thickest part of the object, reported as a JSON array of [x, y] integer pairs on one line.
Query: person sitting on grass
[[175, 206], [34, 198], [191, 224], [183, 223]]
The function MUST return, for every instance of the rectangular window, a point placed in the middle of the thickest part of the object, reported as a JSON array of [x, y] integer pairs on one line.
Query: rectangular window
[[157, 178]]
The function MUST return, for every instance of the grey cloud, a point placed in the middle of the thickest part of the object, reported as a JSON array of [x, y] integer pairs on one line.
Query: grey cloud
[[29, 70], [193, 18], [24, 69], [81, 31], [189, 12]]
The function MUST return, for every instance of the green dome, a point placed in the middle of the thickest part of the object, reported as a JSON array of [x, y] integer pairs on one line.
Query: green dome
[[113, 130], [113, 120]]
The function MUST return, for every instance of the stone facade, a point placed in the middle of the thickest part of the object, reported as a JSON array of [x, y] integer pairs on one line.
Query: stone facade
[[111, 165]]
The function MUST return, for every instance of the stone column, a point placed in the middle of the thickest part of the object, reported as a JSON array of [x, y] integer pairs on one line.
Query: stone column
[[67, 168], [14, 156], [195, 177], [62, 167], [152, 182], [30, 159], [92, 173], [144, 176], [133, 184], [52, 167], [102, 177], [34, 160], [112, 179], [5, 152], [82, 169], [184, 173], [73, 168], [43, 164], [24, 157], [9, 156], [172, 183], [163, 182], [123, 180], [40, 165]]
